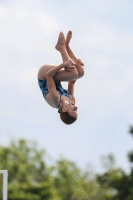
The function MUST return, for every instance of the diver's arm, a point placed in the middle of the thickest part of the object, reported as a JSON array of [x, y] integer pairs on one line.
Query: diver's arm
[[54, 70], [71, 85], [68, 63]]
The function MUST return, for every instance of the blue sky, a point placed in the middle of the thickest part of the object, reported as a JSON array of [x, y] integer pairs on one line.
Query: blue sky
[[103, 39]]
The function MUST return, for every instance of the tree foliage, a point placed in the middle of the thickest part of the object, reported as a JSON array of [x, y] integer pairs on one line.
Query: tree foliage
[[76, 184], [31, 178], [118, 181]]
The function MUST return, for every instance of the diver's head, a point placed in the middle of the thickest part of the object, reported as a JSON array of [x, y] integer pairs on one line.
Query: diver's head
[[68, 112]]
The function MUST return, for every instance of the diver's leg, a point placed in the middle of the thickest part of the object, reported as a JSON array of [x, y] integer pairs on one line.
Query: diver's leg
[[62, 75], [60, 46], [68, 74], [79, 64]]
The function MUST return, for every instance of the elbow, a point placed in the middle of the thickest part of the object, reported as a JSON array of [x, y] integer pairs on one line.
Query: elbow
[[47, 75]]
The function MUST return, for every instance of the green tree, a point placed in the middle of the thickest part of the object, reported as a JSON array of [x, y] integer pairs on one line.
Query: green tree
[[29, 177], [117, 181], [130, 154], [74, 184]]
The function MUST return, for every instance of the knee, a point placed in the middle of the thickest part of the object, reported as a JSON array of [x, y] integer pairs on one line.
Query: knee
[[81, 72], [73, 73]]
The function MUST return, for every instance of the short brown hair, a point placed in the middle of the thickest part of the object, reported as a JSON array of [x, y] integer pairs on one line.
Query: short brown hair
[[66, 118]]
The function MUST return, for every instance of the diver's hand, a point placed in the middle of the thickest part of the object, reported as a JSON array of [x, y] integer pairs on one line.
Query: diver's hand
[[69, 64], [79, 61]]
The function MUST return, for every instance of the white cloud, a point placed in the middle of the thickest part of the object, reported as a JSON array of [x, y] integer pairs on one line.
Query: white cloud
[[3, 12], [10, 114], [27, 28], [106, 38], [46, 23], [102, 5], [21, 13], [29, 76]]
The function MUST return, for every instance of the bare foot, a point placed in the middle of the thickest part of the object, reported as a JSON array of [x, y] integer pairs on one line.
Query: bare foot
[[60, 42], [68, 37]]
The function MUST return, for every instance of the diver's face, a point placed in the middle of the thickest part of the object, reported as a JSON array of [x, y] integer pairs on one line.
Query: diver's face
[[72, 109]]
